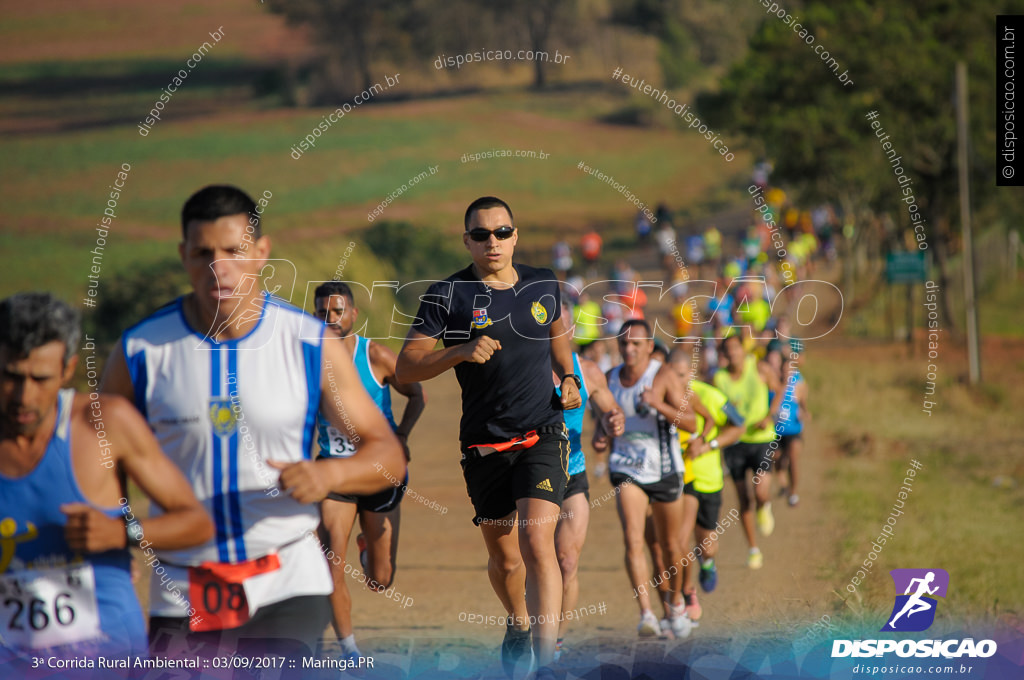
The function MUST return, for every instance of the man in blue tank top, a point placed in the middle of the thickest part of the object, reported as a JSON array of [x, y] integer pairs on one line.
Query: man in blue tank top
[[789, 411], [379, 513], [571, 532], [65, 522]]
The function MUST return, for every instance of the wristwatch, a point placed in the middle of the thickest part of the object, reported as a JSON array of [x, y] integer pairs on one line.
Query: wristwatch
[[579, 381], [713, 443], [135, 534]]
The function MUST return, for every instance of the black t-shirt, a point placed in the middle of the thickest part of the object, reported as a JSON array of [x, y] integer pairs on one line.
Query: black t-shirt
[[512, 392]]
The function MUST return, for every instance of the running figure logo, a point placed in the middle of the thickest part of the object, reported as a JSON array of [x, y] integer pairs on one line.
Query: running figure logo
[[914, 610]]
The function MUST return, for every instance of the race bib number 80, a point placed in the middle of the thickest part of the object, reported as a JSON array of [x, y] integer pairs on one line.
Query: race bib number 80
[[47, 607]]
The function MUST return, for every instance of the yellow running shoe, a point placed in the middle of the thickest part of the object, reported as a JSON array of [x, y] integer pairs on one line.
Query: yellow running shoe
[[765, 520]]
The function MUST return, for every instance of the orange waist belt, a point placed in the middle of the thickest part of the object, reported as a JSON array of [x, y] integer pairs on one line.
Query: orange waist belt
[[523, 441]]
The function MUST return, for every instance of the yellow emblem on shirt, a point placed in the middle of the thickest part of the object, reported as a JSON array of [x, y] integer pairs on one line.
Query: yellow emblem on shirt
[[222, 417], [539, 313]]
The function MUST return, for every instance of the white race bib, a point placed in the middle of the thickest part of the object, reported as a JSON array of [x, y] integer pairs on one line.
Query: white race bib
[[341, 445], [48, 607]]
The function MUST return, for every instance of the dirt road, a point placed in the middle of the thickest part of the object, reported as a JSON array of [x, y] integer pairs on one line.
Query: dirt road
[[442, 565]]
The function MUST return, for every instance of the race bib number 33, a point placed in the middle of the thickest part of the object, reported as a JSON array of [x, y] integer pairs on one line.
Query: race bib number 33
[[48, 607]]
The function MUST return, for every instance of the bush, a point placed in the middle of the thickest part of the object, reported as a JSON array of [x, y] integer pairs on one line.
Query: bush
[[131, 294], [415, 253]]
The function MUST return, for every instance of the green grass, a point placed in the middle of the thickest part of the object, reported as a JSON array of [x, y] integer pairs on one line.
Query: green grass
[[1001, 311], [129, 70], [958, 517], [55, 185], [62, 265]]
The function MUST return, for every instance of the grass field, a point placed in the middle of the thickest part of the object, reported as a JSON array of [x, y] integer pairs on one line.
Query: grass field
[[962, 512], [56, 185]]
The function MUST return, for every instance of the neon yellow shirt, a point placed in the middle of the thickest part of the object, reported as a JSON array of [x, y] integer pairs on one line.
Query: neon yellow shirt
[[705, 471], [750, 396]]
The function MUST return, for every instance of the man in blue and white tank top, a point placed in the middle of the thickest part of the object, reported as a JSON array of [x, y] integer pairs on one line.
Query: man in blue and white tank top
[[231, 379], [65, 523], [646, 467], [571, 531], [380, 513]]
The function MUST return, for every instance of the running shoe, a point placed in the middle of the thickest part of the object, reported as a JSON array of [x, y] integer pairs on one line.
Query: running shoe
[[681, 623], [361, 544], [693, 608], [755, 560], [708, 575], [544, 673], [666, 630], [558, 650], [648, 625], [516, 644], [793, 500], [765, 520]]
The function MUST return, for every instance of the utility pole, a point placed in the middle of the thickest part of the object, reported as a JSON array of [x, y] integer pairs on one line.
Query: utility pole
[[970, 302]]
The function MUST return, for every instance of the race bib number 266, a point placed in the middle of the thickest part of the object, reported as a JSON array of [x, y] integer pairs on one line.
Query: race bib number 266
[[47, 607]]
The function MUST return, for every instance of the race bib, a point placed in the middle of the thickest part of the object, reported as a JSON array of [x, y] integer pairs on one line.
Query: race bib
[[217, 592], [49, 607], [341, 445]]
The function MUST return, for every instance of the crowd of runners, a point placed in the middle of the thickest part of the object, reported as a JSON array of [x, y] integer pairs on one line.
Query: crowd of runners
[[721, 392], [256, 428]]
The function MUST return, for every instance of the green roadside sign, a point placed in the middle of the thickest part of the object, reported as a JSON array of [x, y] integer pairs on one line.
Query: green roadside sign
[[905, 267]]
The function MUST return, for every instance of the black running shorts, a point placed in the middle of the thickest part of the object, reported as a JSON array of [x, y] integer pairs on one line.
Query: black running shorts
[[666, 490], [578, 483], [742, 456], [495, 481], [382, 501], [709, 505]]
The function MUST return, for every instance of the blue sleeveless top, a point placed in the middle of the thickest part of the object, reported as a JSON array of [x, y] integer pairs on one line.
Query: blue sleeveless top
[[32, 548], [334, 443], [574, 423], [789, 411]]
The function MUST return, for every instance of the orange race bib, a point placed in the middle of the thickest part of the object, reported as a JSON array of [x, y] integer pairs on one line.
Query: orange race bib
[[217, 592]]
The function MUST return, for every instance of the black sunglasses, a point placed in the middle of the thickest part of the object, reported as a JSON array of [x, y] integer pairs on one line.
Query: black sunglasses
[[481, 234]]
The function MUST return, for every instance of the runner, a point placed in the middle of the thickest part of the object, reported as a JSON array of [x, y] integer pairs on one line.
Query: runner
[[646, 468], [65, 521], [502, 331], [789, 410], [590, 246], [232, 408], [702, 477], [746, 383], [572, 524], [379, 514]]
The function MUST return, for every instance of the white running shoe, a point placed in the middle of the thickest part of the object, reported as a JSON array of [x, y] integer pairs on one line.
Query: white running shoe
[[681, 623], [648, 625]]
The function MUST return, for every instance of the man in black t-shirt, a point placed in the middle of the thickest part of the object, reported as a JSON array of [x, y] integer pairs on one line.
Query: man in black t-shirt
[[502, 332]]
